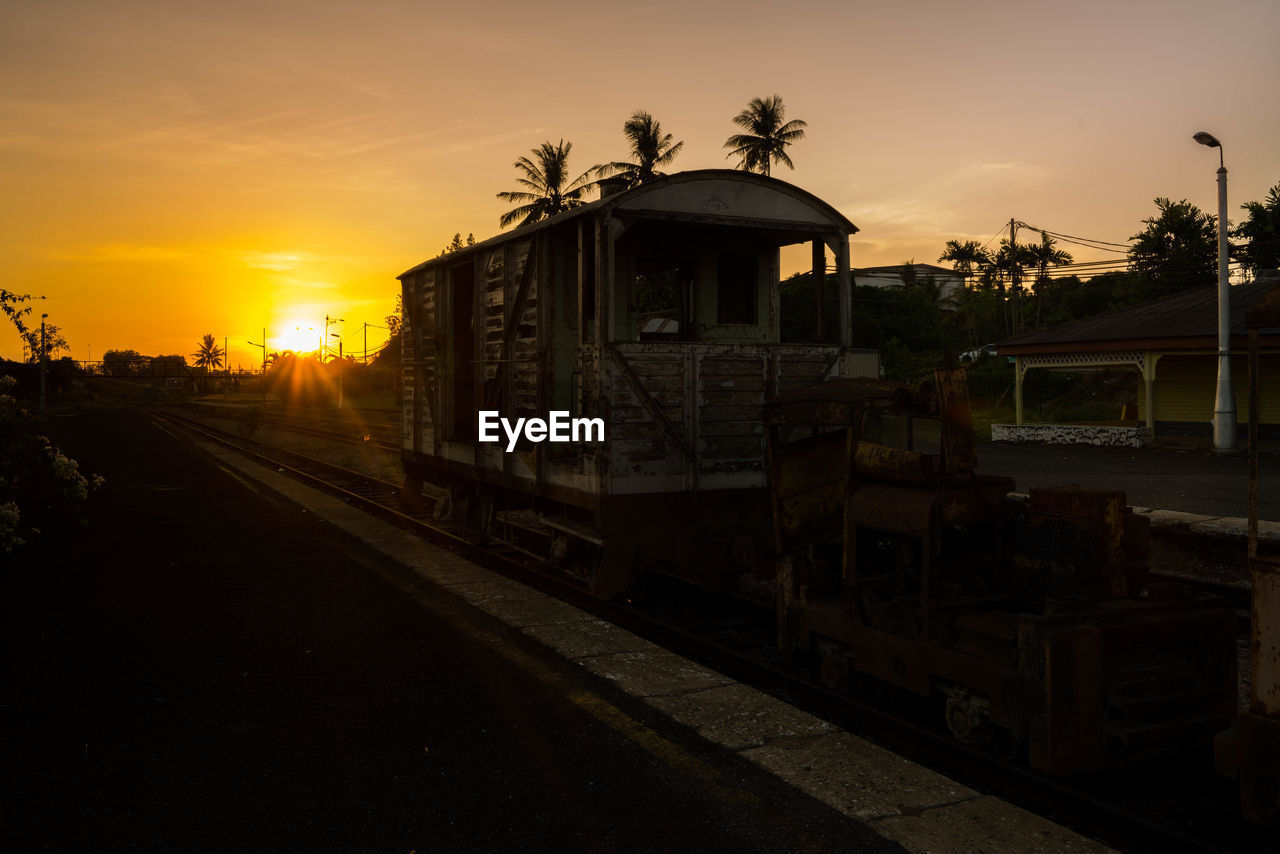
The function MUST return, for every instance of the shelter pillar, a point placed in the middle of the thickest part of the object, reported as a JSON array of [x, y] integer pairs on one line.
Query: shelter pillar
[[1018, 372], [840, 247], [818, 268], [1148, 364]]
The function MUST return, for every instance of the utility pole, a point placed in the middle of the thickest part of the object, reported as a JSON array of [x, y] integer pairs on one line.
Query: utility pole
[[365, 360], [1014, 283], [43, 351], [339, 373], [226, 360]]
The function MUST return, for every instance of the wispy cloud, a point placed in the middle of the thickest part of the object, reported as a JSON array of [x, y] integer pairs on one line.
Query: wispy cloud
[[275, 261], [310, 284], [121, 252]]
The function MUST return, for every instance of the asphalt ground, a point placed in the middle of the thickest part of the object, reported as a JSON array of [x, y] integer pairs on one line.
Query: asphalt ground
[[1191, 481], [204, 667]]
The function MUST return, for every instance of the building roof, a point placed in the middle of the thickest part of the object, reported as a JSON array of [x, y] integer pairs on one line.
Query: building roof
[[1189, 318], [711, 210], [898, 269]]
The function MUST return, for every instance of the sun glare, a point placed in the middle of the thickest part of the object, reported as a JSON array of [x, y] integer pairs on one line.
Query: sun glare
[[300, 336]]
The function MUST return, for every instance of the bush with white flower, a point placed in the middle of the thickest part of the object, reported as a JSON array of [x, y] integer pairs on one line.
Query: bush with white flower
[[40, 487]]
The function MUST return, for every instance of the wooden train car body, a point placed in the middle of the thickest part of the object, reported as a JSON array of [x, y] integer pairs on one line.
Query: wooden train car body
[[1033, 623], [656, 310]]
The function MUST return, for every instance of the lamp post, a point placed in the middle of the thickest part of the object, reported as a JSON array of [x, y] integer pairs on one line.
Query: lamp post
[[263, 378], [263, 345], [1224, 411], [327, 323]]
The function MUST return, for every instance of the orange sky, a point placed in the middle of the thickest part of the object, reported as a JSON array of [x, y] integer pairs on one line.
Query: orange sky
[[175, 168]]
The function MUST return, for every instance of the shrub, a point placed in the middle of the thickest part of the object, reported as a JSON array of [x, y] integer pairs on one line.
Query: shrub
[[40, 487]]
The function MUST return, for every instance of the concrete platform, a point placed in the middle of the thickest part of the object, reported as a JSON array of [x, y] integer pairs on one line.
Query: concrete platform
[[902, 801]]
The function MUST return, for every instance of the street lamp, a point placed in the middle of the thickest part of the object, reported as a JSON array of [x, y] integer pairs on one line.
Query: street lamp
[[339, 337], [1224, 411], [327, 323]]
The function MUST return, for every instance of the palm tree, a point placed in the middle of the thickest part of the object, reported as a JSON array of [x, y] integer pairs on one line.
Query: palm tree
[[210, 354], [650, 148], [547, 177], [766, 137], [1010, 260], [1043, 255], [967, 258]]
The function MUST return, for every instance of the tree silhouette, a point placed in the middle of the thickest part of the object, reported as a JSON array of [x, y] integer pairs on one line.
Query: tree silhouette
[[968, 258], [123, 363], [1006, 272], [1177, 249], [454, 245], [54, 342], [209, 355], [1262, 233], [1042, 256], [650, 149], [13, 305], [549, 190], [767, 136]]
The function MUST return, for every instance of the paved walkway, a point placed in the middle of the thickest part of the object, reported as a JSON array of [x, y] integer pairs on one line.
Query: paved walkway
[[1187, 481], [900, 800]]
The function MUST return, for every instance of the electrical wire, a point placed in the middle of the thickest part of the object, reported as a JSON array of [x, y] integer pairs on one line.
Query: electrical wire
[[1072, 236], [993, 237]]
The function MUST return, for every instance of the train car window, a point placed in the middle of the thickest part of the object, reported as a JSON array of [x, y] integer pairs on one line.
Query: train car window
[[658, 304], [738, 281]]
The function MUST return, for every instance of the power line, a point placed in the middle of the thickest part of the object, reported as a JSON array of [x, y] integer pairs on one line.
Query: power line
[[999, 231], [1072, 236], [1087, 245]]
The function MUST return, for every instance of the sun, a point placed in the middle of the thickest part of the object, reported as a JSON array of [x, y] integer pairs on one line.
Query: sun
[[298, 335]]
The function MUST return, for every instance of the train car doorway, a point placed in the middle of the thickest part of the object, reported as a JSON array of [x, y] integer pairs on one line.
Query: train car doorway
[[462, 345]]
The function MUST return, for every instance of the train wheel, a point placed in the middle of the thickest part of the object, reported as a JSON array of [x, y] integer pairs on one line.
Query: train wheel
[[411, 493], [614, 570], [606, 569], [833, 665], [968, 718]]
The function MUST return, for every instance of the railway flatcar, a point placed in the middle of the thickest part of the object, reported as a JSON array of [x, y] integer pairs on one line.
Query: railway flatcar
[[1250, 751], [1033, 624], [651, 317]]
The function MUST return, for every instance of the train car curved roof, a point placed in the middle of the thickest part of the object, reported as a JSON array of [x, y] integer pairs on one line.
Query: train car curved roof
[[713, 195]]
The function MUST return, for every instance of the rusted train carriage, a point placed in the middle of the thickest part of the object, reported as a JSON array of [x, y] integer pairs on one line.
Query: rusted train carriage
[[655, 309]]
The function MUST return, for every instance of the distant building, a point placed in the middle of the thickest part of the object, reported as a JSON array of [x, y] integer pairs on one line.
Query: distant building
[[1176, 335], [949, 281]]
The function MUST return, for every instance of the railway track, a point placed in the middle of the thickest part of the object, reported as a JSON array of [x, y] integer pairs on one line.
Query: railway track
[[379, 434], [1162, 815]]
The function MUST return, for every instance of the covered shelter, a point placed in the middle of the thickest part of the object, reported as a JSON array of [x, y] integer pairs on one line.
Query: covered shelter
[[1172, 343]]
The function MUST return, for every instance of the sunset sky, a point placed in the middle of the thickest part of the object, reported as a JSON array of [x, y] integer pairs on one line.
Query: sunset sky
[[172, 168]]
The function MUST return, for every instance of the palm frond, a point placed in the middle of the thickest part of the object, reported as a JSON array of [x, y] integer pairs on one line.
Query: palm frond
[[516, 196], [523, 212], [669, 155]]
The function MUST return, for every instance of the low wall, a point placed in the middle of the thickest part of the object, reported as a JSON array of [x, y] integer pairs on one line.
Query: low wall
[[1072, 434]]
